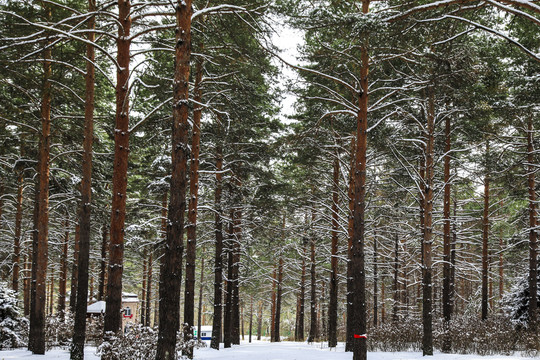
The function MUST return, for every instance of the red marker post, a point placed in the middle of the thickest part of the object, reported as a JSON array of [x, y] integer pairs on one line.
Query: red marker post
[[356, 336]]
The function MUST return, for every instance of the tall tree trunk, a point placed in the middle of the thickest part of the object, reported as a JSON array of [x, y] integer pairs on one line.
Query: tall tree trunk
[[113, 321], [447, 270], [103, 262], [533, 246], [350, 234], [79, 329], [18, 223], [357, 259], [62, 283], [218, 258], [485, 237], [171, 269], [333, 303], [191, 248], [427, 293], [37, 316], [313, 330]]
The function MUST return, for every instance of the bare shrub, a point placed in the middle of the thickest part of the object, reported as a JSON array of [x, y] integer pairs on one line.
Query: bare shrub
[[468, 334], [59, 331], [138, 342]]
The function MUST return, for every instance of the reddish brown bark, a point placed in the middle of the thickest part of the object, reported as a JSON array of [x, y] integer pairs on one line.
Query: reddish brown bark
[[191, 248], [357, 258], [113, 321], [79, 330], [171, 266], [37, 312]]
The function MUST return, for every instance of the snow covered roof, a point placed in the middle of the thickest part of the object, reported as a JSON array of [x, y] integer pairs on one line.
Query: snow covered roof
[[131, 298], [99, 306], [96, 308]]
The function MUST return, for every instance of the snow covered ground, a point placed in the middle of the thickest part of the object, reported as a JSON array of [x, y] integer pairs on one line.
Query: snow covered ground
[[89, 354], [263, 350]]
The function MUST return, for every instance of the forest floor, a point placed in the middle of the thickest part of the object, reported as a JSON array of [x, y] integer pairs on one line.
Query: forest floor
[[263, 350]]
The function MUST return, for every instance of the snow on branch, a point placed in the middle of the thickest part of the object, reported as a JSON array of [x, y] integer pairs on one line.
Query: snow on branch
[[489, 30]]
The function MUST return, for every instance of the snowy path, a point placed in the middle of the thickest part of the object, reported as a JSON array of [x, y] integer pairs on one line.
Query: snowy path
[[263, 350]]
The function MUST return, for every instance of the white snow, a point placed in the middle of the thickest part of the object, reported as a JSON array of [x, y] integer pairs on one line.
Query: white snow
[[60, 354], [264, 350]]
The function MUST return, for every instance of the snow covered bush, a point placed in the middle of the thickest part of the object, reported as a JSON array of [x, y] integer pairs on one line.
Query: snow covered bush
[[468, 335], [11, 323], [137, 342], [58, 330], [94, 330], [516, 302]]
